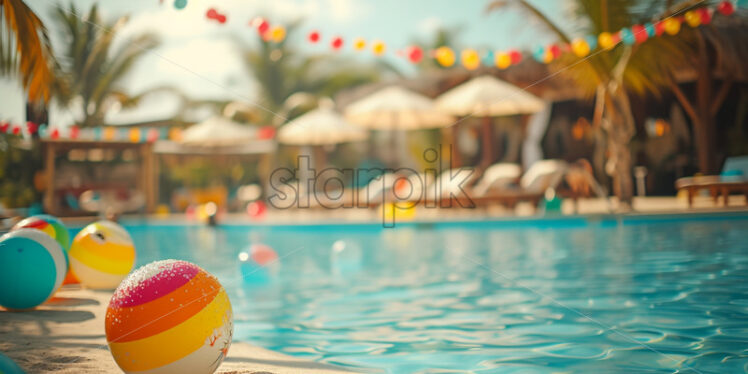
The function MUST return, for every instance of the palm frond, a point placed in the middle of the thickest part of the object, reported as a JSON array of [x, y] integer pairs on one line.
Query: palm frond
[[30, 59], [92, 66]]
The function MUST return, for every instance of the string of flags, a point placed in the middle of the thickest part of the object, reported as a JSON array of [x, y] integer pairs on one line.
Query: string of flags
[[102, 133], [472, 59], [143, 134]]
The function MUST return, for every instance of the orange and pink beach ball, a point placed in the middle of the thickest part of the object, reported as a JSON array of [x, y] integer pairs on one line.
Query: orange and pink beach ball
[[169, 317]]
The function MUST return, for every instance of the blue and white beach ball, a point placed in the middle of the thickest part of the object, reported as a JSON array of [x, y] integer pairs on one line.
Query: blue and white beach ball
[[32, 267], [8, 366]]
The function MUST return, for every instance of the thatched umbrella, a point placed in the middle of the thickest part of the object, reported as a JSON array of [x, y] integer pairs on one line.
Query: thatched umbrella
[[218, 131], [397, 109], [320, 127], [488, 97]]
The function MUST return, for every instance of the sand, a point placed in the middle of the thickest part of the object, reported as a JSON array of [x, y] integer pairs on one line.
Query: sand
[[66, 335]]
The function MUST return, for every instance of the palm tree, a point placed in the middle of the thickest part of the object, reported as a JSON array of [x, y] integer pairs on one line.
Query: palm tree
[[289, 80], [25, 49], [614, 74], [90, 69]]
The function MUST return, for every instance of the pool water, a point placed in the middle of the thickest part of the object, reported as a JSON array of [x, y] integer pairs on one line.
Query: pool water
[[657, 297]]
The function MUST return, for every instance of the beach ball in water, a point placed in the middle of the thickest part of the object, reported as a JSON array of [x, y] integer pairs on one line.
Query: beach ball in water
[[101, 255], [169, 317], [258, 264], [32, 267]]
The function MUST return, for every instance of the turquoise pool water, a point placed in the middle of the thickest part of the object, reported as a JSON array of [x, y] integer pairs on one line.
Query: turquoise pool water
[[566, 296]]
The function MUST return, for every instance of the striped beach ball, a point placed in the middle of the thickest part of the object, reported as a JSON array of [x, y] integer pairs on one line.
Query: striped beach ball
[[57, 230], [102, 254], [32, 268], [51, 225], [169, 317]]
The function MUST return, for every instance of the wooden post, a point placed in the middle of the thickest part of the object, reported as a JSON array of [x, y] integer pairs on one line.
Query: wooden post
[[49, 168], [147, 175]]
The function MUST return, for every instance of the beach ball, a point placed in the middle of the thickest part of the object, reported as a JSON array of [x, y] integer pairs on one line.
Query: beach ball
[[101, 255], [169, 317], [50, 225], [263, 254], [8, 366], [32, 267], [256, 209], [258, 263], [250, 271]]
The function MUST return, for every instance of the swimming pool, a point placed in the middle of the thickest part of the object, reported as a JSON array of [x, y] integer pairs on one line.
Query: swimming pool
[[543, 296]]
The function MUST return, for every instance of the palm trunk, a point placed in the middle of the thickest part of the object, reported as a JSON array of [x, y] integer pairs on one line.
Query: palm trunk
[[620, 127]]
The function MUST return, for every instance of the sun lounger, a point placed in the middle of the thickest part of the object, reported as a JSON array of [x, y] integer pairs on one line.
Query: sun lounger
[[733, 180], [531, 188], [498, 177]]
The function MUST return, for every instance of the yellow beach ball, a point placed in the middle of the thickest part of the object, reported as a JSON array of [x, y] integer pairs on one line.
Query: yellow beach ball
[[102, 254]]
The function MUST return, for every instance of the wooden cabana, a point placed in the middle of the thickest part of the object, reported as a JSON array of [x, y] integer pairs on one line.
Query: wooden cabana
[[60, 187]]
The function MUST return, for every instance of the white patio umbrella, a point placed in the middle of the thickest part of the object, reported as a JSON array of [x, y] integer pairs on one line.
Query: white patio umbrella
[[323, 126], [487, 97], [397, 109], [218, 131], [320, 127]]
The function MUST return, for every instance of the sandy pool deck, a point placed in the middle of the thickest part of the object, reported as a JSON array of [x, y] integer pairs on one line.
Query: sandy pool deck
[[66, 335]]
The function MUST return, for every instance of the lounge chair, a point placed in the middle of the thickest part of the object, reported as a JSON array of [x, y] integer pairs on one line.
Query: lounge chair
[[566, 180], [498, 177], [542, 175], [733, 179], [532, 186]]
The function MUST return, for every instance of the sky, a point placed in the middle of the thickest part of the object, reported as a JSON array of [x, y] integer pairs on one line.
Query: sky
[[199, 56]]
